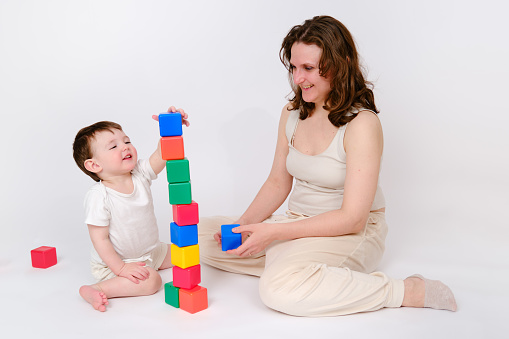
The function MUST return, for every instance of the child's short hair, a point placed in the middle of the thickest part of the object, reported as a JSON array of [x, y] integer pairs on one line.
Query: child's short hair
[[81, 146]]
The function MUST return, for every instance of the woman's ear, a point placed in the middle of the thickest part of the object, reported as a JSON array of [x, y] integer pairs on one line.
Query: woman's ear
[[92, 166]]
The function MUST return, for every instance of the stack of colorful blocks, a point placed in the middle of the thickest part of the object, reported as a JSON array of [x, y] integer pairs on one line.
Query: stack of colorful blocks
[[183, 292]]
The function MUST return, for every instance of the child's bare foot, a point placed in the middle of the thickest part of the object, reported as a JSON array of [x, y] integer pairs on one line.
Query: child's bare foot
[[94, 297]]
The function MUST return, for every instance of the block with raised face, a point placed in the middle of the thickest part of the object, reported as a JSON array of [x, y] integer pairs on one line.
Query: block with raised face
[[180, 193], [170, 124], [177, 171], [185, 257], [193, 300], [44, 257], [183, 236], [230, 240], [186, 214], [186, 277], [171, 294], [172, 148]]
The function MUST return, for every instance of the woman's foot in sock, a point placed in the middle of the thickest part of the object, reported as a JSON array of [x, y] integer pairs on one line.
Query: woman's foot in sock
[[437, 295]]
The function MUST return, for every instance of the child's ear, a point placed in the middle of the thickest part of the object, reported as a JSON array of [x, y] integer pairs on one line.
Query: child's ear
[[92, 166]]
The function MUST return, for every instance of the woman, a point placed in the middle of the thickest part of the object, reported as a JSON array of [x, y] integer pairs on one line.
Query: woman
[[319, 258]]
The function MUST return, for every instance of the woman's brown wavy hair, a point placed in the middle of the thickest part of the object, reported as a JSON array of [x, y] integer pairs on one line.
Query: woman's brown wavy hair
[[339, 62]]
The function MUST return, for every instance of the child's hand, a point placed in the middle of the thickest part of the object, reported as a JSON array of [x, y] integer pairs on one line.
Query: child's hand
[[172, 109], [134, 271]]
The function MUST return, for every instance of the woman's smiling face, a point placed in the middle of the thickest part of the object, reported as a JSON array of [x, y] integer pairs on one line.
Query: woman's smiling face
[[304, 63]]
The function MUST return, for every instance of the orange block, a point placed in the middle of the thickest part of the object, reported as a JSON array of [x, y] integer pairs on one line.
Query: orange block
[[193, 300], [172, 148]]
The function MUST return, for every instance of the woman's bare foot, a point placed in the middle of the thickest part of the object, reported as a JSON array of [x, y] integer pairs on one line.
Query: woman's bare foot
[[94, 297]]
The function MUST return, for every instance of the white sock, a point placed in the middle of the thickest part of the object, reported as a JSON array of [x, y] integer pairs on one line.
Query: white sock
[[437, 295]]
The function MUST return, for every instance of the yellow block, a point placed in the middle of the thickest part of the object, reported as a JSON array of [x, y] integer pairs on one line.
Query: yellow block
[[185, 257]]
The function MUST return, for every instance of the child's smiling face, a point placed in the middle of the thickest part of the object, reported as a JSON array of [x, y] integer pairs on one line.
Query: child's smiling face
[[113, 153]]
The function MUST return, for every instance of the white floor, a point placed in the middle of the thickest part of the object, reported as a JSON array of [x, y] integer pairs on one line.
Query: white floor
[[440, 71], [44, 303]]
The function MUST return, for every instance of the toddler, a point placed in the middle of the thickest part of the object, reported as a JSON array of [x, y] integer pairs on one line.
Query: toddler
[[119, 212]]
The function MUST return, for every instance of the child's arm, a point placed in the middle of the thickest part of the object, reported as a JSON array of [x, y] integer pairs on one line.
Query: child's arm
[[102, 244], [156, 161]]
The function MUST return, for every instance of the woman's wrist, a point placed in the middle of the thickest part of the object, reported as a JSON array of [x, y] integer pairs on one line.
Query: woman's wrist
[[242, 221], [277, 232]]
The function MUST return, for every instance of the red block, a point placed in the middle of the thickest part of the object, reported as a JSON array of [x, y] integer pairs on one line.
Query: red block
[[44, 257], [172, 148], [193, 300], [186, 278], [184, 215]]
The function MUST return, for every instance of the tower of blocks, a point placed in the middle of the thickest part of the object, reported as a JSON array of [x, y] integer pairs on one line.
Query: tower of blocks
[[184, 291]]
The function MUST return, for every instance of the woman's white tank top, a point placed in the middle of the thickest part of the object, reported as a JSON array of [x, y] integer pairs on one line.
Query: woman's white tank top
[[319, 179]]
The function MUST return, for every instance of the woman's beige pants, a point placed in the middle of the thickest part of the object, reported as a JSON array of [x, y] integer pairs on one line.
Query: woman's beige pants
[[317, 276]]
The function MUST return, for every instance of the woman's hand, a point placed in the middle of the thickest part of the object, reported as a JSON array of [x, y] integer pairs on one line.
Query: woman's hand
[[256, 238], [217, 236], [172, 109], [134, 271]]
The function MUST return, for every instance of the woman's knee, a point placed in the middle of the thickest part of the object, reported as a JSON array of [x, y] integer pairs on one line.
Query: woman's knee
[[294, 292], [267, 291], [276, 293]]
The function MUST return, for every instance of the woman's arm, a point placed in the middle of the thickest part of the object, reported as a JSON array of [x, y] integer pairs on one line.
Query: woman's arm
[[276, 188], [100, 237], [278, 185], [363, 145]]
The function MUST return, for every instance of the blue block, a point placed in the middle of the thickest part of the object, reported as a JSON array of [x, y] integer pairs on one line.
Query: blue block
[[184, 236], [230, 240], [170, 124]]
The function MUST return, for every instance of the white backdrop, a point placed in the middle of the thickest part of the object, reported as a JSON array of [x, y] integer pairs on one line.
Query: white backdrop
[[440, 70]]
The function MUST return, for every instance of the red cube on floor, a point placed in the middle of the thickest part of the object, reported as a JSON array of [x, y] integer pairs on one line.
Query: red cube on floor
[[44, 257], [193, 300], [186, 277]]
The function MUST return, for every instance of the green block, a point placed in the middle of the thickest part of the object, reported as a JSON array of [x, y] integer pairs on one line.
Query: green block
[[180, 193], [177, 171], [171, 295]]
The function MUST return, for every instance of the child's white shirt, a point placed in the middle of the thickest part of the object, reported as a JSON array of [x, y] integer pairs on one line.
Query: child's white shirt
[[131, 219]]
